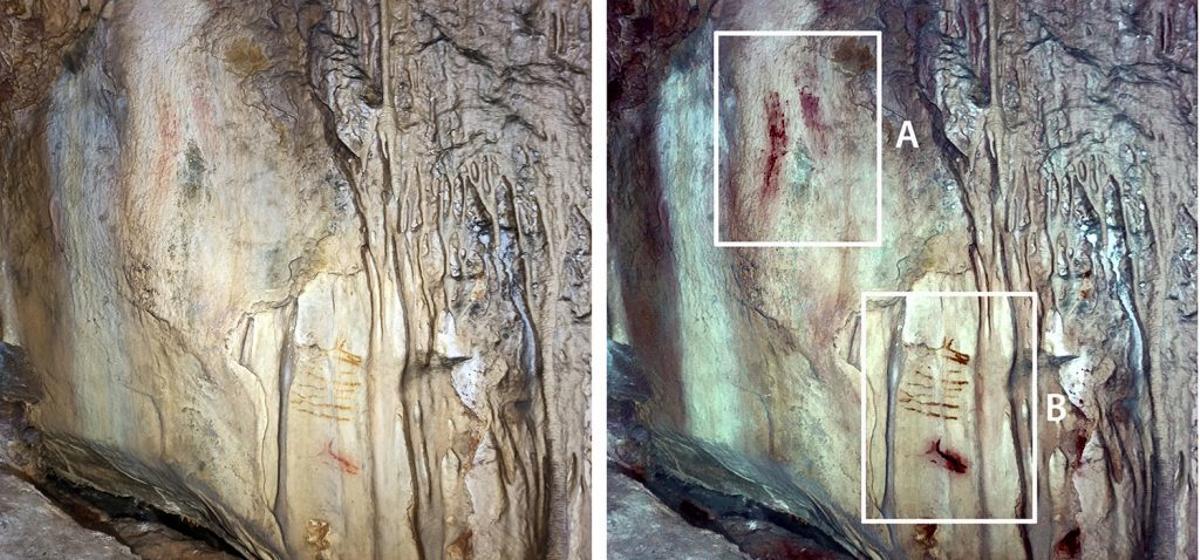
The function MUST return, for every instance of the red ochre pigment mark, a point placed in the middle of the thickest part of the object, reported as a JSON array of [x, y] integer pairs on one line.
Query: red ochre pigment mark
[[343, 462], [810, 107], [926, 535], [946, 458], [954, 355], [345, 356], [463, 546], [929, 413], [946, 383], [777, 136], [935, 398], [202, 110], [1081, 435], [1070, 546], [906, 397], [168, 141]]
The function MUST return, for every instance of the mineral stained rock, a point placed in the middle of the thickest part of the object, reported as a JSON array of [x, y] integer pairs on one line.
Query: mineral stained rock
[[797, 139], [33, 527], [930, 404], [311, 274], [640, 526], [1057, 156]]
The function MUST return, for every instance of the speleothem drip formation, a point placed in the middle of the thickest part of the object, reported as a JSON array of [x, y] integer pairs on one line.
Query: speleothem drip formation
[[1057, 156], [313, 275]]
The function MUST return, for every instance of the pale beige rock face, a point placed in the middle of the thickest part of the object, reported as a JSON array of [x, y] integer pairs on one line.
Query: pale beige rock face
[[941, 408], [313, 276], [1057, 156]]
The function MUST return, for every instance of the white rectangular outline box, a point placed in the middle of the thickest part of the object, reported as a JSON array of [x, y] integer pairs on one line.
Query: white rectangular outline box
[[878, 35], [1033, 415]]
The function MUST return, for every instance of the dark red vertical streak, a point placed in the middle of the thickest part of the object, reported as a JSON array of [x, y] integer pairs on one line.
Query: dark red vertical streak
[[810, 109], [777, 137], [1070, 546]]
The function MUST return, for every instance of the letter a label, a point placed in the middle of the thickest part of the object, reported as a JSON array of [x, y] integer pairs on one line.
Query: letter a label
[[907, 134]]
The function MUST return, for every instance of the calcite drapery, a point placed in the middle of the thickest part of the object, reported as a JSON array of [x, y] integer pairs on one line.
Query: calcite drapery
[[313, 274], [1057, 156]]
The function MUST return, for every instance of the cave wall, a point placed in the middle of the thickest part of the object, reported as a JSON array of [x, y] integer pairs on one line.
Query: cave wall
[[312, 274], [1057, 156]]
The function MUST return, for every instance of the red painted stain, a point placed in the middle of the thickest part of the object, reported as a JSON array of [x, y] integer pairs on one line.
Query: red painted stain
[[946, 458], [810, 109], [202, 111], [1070, 546], [1081, 439], [777, 137], [926, 535], [954, 355], [637, 472], [348, 466], [168, 143]]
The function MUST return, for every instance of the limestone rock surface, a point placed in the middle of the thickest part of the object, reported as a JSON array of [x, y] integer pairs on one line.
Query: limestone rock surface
[[640, 526], [1057, 156], [33, 527], [311, 274]]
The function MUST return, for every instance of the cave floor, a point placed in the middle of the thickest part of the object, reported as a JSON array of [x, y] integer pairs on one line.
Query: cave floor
[[31, 526], [640, 526]]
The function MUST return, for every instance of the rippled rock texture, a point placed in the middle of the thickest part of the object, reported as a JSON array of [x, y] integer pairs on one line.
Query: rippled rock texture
[[1057, 156], [311, 274]]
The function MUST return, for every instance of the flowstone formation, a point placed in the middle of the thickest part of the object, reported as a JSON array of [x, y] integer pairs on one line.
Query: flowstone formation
[[313, 275], [1054, 156]]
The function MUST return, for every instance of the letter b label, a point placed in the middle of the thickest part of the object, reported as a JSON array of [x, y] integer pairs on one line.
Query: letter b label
[[1056, 407]]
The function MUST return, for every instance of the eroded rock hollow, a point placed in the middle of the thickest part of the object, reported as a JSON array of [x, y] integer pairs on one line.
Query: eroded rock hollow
[[1056, 158], [312, 274]]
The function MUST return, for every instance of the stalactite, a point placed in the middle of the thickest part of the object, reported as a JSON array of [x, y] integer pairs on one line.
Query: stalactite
[[311, 275]]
